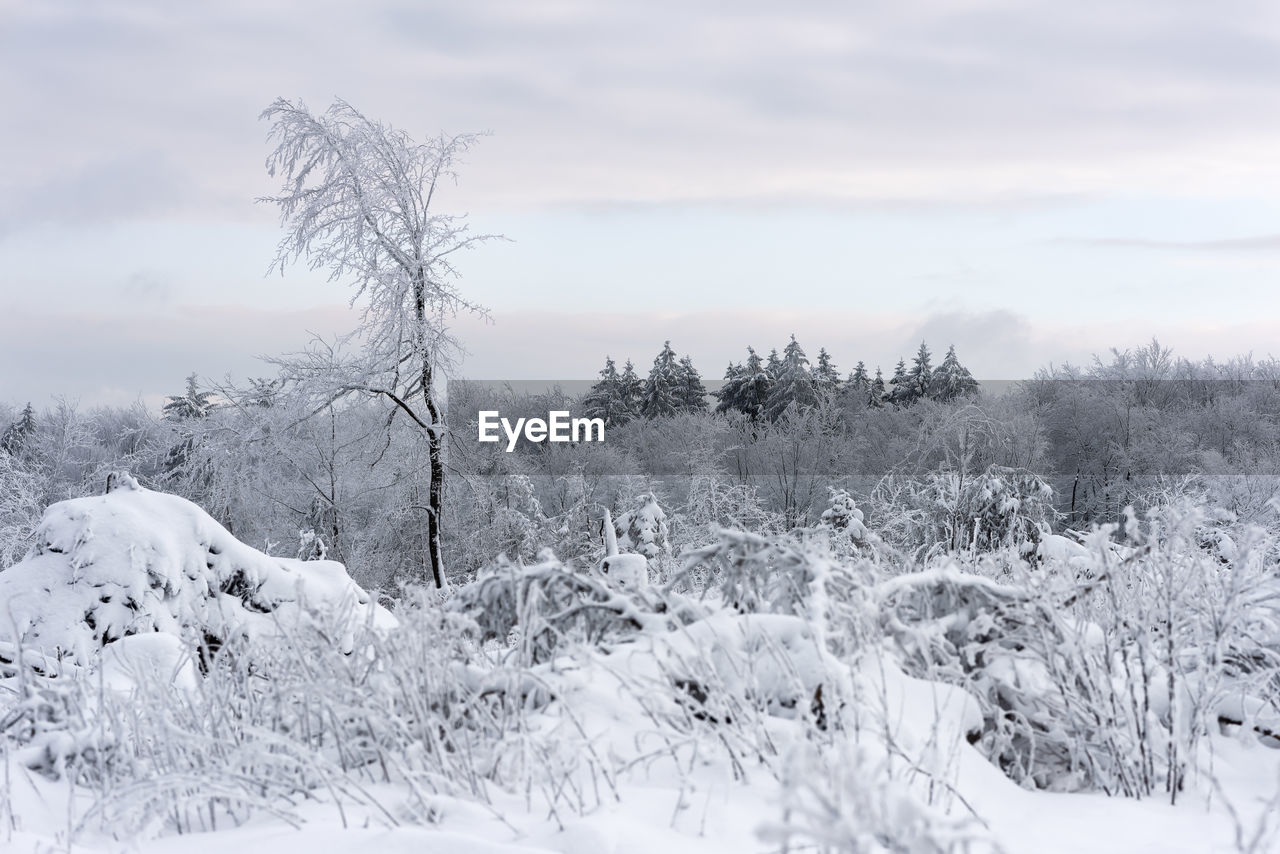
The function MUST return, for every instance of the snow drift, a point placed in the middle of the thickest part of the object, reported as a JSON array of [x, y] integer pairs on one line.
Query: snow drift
[[134, 561]]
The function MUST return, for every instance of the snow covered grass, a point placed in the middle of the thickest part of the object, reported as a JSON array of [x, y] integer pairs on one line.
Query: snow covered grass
[[777, 693]]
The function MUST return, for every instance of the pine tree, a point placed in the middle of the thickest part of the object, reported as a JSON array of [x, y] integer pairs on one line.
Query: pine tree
[[919, 376], [876, 394], [794, 384], [604, 400], [897, 389], [630, 392], [858, 380], [691, 393], [193, 404], [19, 433], [757, 384], [729, 394], [826, 377], [773, 367], [952, 380], [662, 388]]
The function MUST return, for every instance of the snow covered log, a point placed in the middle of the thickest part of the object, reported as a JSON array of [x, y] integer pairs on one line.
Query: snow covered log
[[135, 561]]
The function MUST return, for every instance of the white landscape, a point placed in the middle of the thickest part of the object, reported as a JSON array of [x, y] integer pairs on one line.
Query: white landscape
[[167, 688], [662, 428]]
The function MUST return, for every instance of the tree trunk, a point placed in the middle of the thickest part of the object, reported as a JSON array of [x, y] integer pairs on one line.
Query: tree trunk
[[435, 493]]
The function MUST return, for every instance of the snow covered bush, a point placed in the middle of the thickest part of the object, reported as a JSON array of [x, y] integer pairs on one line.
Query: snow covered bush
[[20, 489], [643, 529], [847, 800], [135, 561], [1104, 671], [752, 573], [548, 607], [947, 511]]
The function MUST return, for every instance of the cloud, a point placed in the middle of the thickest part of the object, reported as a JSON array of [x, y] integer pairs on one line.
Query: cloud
[[670, 102], [1258, 243], [121, 186]]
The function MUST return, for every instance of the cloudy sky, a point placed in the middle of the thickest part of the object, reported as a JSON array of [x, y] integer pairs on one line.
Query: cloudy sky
[[1033, 182]]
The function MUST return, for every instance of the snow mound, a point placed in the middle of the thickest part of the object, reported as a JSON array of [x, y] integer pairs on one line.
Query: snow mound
[[135, 561], [139, 659], [628, 571]]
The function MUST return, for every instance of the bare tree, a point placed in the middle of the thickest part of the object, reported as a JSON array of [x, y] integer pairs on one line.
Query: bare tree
[[356, 199]]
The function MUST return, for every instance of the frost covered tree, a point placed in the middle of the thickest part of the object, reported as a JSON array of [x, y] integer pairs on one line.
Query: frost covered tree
[[691, 394], [630, 391], [746, 388], [731, 389], [756, 386], [896, 391], [858, 380], [193, 404], [919, 376], [876, 392], [662, 389], [358, 199], [826, 377], [952, 380], [773, 365], [605, 399], [794, 385], [18, 434]]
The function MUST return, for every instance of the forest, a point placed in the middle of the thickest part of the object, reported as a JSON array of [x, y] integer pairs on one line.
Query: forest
[[1070, 448]]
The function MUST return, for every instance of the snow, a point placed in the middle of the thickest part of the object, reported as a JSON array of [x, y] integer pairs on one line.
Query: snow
[[629, 571], [134, 561], [713, 733]]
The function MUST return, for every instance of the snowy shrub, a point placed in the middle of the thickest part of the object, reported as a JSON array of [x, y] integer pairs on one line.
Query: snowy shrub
[[849, 801], [999, 508], [135, 561], [1107, 676], [754, 573], [19, 507], [643, 529], [548, 607], [849, 534]]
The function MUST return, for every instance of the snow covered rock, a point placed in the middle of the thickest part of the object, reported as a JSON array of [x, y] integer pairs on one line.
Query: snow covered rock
[[135, 561]]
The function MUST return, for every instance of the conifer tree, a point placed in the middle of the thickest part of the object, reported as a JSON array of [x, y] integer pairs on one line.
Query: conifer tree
[[877, 394], [952, 380], [919, 376], [193, 404], [604, 400], [794, 385], [661, 390], [630, 392], [858, 380], [18, 434], [826, 377], [757, 384], [896, 392], [691, 393], [729, 394], [774, 365]]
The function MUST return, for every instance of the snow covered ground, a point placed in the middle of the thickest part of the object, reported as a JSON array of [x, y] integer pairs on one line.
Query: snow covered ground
[[649, 722]]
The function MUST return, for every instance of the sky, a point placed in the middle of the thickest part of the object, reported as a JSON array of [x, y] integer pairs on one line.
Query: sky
[[1031, 182]]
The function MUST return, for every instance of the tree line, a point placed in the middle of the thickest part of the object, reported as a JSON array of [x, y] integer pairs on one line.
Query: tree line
[[765, 389]]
